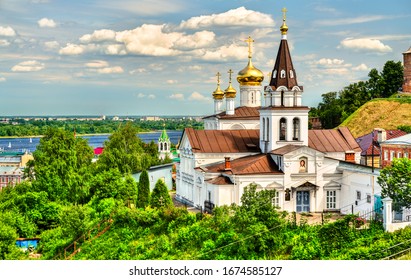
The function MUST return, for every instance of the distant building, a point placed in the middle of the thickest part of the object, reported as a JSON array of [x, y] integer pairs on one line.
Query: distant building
[[158, 172], [152, 118], [15, 159], [406, 86], [10, 176], [370, 145], [399, 147]]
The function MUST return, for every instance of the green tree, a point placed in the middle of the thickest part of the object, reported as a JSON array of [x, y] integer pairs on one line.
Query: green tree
[[160, 196], [125, 151], [330, 110], [62, 166], [143, 193], [395, 181], [392, 77]]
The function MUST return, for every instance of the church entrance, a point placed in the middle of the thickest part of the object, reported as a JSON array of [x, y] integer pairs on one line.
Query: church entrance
[[303, 201]]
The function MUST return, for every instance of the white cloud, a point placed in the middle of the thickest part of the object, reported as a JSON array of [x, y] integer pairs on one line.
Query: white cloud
[[177, 96], [197, 40], [138, 70], [28, 66], [365, 44], [45, 22], [223, 53], [141, 95], [196, 96], [7, 31], [72, 49], [2, 79], [361, 67], [99, 36], [110, 70], [115, 49], [52, 45], [347, 21], [97, 64], [329, 61], [151, 96], [4, 43], [235, 17], [172, 82]]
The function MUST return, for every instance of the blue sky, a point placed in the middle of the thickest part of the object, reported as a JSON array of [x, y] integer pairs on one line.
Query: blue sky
[[160, 57]]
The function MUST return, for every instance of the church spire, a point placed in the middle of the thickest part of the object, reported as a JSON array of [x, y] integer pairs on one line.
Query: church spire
[[283, 73]]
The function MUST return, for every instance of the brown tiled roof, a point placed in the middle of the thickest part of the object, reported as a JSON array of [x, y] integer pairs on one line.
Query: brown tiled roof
[[285, 149], [332, 140], [224, 141], [244, 113], [220, 180], [283, 62], [255, 164]]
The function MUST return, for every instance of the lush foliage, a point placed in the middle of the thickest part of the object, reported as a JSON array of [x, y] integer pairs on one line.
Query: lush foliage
[[160, 196], [337, 106], [22, 127], [143, 195], [395, 181], [126, 152]]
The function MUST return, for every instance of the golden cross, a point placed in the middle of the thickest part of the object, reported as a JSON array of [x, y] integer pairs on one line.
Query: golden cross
[[230, 72], [284, 10], [250, 42], [218, 77]]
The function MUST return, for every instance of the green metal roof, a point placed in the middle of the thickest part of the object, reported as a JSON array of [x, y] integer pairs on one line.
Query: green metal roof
[[164, 136]]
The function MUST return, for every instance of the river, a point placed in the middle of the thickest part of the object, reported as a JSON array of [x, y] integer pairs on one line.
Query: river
[[30, 143]]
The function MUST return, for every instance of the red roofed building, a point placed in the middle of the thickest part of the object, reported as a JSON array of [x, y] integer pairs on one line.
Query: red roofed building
[[269, 145]]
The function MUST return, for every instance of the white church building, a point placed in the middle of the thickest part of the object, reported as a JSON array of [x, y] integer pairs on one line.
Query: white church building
[[271, 146]]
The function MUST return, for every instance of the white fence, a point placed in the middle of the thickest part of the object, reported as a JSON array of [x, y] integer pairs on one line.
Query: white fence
[[395, 220]]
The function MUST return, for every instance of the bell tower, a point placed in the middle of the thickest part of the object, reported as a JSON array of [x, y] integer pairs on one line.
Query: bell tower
[[283, 119], [406, 86]]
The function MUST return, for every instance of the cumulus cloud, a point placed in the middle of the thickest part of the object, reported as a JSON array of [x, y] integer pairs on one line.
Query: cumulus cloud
[[235, 17], [4, 43], [2, 79], [177, 96], [138, 70], [361, 67], [329, 61], [7, 31], [28, 66], [151, 96], [364, 44], [197, 40], [97, 64], [52, 45], [110, 70], [45, 22], [141, 95], [99, 36], [223, 53], [72, 49], [172, 82], [196, 96]]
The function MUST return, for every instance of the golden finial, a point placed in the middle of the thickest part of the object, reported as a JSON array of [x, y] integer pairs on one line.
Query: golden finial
[[230, 92], [218, 75], [284, 27], [249, 41], [218, 93]]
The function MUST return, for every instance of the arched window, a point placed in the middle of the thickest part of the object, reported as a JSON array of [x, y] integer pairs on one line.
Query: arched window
[[282, 74], [252, 97], [282, 98], [283, 129], [291, 74], [165, 146], [267, 131], [264, 129], [275, 74], [296, 129], [161, 146]]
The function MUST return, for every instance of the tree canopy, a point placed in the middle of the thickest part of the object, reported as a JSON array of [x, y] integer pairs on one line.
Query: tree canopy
[[160, 196], [395, 181]]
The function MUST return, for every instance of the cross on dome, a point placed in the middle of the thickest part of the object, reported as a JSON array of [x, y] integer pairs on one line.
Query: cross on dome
[[250, 42]]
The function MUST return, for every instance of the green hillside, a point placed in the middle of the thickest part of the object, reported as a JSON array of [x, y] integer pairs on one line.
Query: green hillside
[[382, 113]]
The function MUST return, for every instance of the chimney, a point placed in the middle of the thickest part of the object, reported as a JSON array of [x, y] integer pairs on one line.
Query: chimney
[[382, 135], [227, 165]]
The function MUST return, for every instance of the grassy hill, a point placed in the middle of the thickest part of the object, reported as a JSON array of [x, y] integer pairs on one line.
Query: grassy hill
[[382, 113]]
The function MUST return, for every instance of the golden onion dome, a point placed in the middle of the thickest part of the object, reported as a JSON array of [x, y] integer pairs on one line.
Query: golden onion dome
[[218, 93], [250, 76], [230, 92]]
